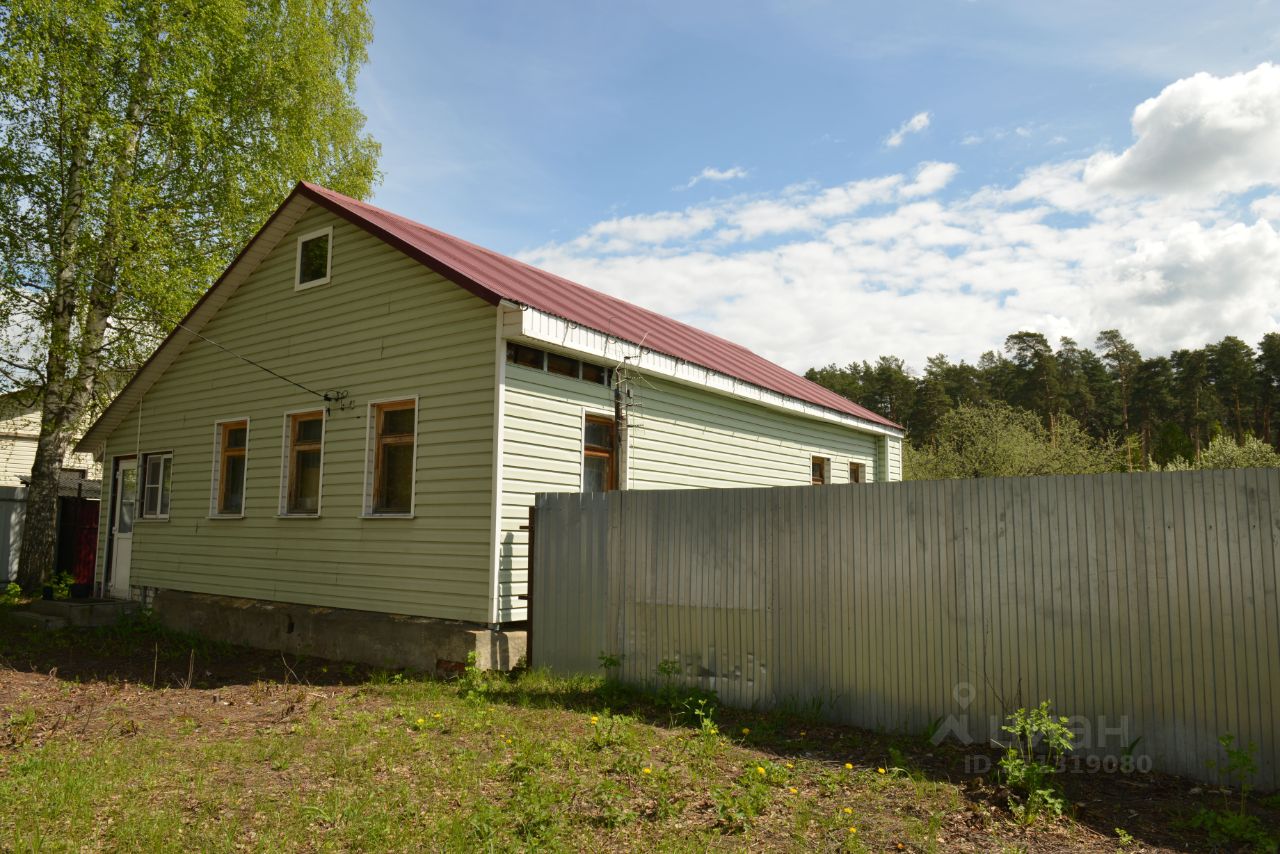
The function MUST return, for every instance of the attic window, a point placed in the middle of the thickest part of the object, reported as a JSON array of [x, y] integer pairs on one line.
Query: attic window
[[315, 254], [556, 363]]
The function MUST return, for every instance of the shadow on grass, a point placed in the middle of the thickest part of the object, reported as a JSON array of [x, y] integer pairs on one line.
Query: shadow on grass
[[141, 650], [1153, 809]]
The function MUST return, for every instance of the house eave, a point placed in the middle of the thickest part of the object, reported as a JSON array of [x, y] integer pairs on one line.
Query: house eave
[[531, 325]]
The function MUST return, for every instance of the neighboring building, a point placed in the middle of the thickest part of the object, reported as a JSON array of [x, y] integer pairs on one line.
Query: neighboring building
[[459, 383], [19, 432], [79, 485]]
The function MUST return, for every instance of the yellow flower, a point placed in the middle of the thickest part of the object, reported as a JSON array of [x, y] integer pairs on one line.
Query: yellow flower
[[760, 770], [793, 790], [880, 770], [791, 765], [746, 730], [421, 721], [853, 830], [647, 771], [436, 715], [803, 733], [595, 719], [848, 810], [848, 766]]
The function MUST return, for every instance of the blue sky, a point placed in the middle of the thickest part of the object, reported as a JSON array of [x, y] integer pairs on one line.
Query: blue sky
[[541, 128]]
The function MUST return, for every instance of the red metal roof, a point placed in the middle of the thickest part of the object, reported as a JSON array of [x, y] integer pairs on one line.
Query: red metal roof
[[495, 277]]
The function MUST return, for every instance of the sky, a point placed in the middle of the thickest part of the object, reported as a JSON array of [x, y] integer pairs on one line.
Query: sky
[[827, 182]]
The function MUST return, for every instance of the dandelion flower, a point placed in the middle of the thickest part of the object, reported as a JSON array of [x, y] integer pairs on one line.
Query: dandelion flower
[[880, 770], [848, 766], [848, 810], [595, 719], [803, 733], [791, 765], [853, 830], [760, 770], [793, 790], [746, 730], [647, 771]]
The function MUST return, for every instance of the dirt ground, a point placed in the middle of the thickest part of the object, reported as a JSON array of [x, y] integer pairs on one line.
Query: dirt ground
[[142, 682]]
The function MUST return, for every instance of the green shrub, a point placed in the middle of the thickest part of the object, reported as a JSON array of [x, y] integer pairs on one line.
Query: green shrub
[[1029, 771]]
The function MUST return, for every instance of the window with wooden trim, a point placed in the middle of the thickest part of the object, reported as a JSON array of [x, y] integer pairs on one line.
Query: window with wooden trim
[[231, 444], [157, 481], [821, 470], [303, 463], [315, 255], [395, 427], [857, 473], [599, 456]]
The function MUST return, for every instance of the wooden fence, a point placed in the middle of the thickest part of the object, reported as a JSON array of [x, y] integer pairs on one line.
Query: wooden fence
[[1144, 606]]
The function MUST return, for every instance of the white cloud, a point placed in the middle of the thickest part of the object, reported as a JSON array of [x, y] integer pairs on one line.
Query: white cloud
[[1202, 134], [907, 264], [1267, 207], [710, 173], [915, 124], [930, 178]]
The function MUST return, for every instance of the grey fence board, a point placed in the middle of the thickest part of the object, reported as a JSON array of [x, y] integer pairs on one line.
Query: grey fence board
[[1145, 604]]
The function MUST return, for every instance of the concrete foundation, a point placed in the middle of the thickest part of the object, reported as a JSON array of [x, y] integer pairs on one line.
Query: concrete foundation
[[383, 640]]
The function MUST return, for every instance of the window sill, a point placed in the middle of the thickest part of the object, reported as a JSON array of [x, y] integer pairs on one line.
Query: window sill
[[314, 283], [225, 516], [297, 515], [387, 515], [151, 519]]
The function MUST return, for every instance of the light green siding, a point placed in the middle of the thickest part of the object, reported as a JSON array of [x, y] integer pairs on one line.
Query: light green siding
[[679, 436], [385, 327]]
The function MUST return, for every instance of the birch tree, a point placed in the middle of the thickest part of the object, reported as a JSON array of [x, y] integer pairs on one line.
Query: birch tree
[[141, 144]]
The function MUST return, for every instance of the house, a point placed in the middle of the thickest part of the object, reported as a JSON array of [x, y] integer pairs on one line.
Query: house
[[358, 414], [79, 483], [19, 432]]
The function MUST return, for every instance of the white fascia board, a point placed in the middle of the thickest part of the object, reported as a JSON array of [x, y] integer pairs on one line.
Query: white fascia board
[[547, 330]]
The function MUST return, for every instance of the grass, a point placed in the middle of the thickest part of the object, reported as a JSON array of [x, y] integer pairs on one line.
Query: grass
[[109, 753]]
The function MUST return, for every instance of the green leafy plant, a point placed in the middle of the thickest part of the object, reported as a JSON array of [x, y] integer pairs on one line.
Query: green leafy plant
[[609, 662], [1236, 826], [1233, 828], [473, 683], [1039, 741], [12, 594], [61, 585], [1124, 837], [1240, 765]]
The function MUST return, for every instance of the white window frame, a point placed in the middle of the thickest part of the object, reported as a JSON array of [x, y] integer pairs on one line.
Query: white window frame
[[298, 284], [826, 467], [370, 448], [144, 460], [286, 458], [215, 481]]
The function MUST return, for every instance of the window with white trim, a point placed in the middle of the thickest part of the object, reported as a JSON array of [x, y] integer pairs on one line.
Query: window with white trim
[[393, 433], [157, 480], [303, 462], [315, 257], [230, 463]]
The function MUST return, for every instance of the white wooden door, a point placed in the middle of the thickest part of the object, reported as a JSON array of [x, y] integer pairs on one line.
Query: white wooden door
[[126, 502]]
